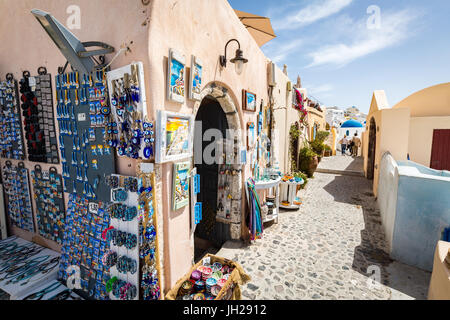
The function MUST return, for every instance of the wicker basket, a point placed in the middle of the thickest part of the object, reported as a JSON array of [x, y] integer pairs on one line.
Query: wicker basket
[[230, 291]]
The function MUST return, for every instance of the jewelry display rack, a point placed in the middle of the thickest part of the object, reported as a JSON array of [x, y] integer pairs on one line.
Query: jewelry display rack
[[130, 227], [129, 111]]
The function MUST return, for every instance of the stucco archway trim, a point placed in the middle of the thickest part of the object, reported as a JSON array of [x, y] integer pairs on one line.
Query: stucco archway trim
[[222, 95]]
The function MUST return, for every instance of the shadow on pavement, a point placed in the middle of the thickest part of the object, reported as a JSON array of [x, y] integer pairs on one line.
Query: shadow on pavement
[[373, 250]]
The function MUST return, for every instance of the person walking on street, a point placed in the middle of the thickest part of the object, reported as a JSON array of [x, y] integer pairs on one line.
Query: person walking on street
[[356, 145], [344, 143]]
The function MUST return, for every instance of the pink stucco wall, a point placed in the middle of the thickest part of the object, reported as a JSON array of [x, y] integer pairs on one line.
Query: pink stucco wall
[[200, 28], [192, 27]]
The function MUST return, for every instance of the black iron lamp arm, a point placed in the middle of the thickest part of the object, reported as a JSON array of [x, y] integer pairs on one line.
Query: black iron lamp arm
[[223, 59]]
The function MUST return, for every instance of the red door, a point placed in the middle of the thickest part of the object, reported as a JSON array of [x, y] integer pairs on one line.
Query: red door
[[440, 154]]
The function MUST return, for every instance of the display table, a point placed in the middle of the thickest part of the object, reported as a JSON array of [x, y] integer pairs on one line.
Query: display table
[[440, 278], [27, 285], [274, 190], [288, 194], [41, 291]]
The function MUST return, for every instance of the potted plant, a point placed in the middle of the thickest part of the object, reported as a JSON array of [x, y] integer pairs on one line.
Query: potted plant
[[308, 161], [299, 174], [328, 152]]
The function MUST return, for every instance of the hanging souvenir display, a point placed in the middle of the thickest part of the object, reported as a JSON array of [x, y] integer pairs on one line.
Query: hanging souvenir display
[[176, 76], [84, 246], [11, 140], [37, 106], [180, 186], [49, 199], [122, 235], [175, 133], [254, 219], [17, 191], [148, 238], [195, 80], [128, 129], [224, 191], [227, 174], [82, 113]]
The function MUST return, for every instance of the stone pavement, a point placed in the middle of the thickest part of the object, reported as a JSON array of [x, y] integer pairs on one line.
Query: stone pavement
[[342, 165], [328, 249]]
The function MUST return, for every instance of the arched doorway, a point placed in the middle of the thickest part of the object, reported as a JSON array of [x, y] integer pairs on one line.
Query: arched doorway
[[372, 149], [217, 111]]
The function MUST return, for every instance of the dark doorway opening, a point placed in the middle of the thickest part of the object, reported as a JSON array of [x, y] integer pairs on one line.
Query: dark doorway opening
[[372, 149], [440, 152], [210, 235]]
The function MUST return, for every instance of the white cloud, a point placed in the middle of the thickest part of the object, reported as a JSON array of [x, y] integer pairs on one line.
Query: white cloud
[[395, 28], [280, 51], [310, 14], [325, 88]]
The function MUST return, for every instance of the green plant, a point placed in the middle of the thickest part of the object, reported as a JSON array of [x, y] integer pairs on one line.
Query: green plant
[[307, 155], [294, 135], [321, 136], [318, 144], [299, 174], [327, 148]]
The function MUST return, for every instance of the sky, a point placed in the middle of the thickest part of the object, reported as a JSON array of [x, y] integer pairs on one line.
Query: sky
[[343, 50]]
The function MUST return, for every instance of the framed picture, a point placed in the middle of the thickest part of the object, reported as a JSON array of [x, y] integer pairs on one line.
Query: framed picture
[[195, 79], [180, 186], [174, 136], [251, 135], [176, 76], [248, 101]]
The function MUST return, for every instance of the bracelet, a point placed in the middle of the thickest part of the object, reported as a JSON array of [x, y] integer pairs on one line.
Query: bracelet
[[110, 284]]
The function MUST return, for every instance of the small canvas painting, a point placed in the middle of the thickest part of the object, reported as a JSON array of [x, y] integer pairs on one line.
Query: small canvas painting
[[249, 101], [180, 185], [196, 79], [177, 136], [176, 77]]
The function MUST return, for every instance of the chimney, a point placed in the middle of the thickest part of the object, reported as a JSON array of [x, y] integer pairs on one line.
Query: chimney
[[299, 82]]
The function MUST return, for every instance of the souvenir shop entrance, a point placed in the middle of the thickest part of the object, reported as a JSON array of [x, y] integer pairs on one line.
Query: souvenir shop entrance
[[209, 232]]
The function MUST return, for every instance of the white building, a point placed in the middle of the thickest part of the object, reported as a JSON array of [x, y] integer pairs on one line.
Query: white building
[[335, 117]]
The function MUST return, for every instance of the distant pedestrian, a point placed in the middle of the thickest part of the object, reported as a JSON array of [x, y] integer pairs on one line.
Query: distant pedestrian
[[344, 143], [356, 145]]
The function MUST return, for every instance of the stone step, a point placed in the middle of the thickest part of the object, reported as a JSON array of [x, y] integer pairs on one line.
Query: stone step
[[343, 172]]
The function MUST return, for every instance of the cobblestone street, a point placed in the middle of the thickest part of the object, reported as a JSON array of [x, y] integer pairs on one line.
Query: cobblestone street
[[327, 250]]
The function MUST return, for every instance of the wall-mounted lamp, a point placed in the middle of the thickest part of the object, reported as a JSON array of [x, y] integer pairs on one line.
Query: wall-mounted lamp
[[238, 60]]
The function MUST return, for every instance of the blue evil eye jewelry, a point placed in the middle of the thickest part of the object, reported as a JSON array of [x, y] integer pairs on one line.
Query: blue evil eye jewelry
[[149, 140]]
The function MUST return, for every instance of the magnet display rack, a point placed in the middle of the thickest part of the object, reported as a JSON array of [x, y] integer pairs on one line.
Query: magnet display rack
[[81, 112], [17, 191], [83, 247], [37, 106], [49, 199], [11, 139]]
